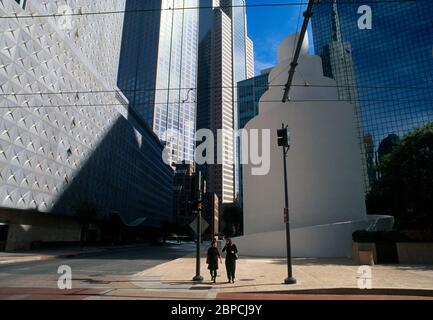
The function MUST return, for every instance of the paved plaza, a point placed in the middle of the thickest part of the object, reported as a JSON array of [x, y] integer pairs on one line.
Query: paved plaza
[[149, 272]]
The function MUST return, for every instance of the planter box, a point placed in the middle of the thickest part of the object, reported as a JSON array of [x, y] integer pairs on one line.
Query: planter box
[[360, 255], [386, 252], [415, 253], [381, 252], [366, 258]]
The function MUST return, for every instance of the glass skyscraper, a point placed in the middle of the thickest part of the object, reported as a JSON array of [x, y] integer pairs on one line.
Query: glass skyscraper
[[158, 69], [249, 93], [386, 71], [225, 58]]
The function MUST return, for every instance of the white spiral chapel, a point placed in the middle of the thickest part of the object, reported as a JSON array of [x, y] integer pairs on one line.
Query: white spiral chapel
[[325, 179]]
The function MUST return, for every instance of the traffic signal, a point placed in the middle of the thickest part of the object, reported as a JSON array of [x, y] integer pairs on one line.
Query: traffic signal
[[198, 187], [283, 137]]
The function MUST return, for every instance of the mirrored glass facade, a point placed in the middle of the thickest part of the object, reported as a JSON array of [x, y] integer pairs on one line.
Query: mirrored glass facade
[[249, 93], [388, 69], [158, 69]]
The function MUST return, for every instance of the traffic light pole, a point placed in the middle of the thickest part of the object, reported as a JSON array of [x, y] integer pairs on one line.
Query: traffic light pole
[[198, 277], [286, 147]]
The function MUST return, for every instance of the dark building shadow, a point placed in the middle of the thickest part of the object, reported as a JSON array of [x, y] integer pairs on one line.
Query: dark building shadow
[[125, 173]]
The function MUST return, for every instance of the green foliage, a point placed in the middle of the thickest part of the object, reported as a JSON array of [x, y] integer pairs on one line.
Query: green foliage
[[405, 188], [232, 216], [377, 236]]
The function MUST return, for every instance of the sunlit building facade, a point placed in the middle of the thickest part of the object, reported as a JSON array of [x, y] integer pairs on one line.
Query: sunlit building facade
[[67, 135], [158, 69], [225, 58]]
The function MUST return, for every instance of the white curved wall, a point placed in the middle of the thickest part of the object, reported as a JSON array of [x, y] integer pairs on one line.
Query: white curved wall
[[324, 169], [326, 191]]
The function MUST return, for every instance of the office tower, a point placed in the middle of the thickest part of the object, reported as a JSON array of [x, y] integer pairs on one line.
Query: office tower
[[392, 64], [249, 93], [158, 69], [250, 58], [185, 195], [338, 64], [67, 138], [223, 54]]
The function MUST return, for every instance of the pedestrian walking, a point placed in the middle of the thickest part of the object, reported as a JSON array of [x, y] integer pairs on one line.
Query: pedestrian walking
[[213, 257], [231, 257]]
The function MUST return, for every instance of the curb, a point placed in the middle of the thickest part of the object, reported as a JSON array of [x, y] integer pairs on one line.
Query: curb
[[66, 256], [344, 291]]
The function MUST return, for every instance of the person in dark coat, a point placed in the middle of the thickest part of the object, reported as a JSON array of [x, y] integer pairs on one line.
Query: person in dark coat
[[231, 257], [213, 255]]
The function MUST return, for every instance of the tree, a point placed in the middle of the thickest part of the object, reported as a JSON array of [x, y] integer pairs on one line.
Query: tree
[[406, 184], [232, 216]]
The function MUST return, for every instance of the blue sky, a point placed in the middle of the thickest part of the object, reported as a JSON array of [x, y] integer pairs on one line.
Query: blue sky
[[268, 26]]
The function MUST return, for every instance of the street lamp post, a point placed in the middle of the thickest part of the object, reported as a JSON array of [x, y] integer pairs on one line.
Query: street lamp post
[[283, 141]]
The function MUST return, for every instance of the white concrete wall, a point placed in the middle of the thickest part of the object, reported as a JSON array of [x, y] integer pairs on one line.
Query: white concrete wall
[[326, 190], [324, 169], [325, 241]]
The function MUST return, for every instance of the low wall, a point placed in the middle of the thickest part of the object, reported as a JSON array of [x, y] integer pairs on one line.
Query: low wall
[[322, 241], [415, 253], [26, 227], [325, 241]]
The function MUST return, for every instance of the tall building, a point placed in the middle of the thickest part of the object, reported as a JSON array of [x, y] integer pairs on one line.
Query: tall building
[[183, 193], [67, 136], [225, 58], [249, 93], [158, 69], [389, 68], [338, 65], [250, 58], [186, 190]]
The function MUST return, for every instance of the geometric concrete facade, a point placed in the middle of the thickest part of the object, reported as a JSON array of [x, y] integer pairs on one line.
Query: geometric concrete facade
[[66, 135]]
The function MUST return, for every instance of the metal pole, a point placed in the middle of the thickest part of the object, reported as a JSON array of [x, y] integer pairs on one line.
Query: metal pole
[[289, 279], [198, 277], [307, 15]]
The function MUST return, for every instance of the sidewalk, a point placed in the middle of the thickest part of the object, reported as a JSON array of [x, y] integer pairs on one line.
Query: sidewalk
[[257, 278], [57, 253], [262, 276]]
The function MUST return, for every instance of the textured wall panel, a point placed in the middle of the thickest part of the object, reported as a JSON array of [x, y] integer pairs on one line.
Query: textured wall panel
[[61, 145]]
